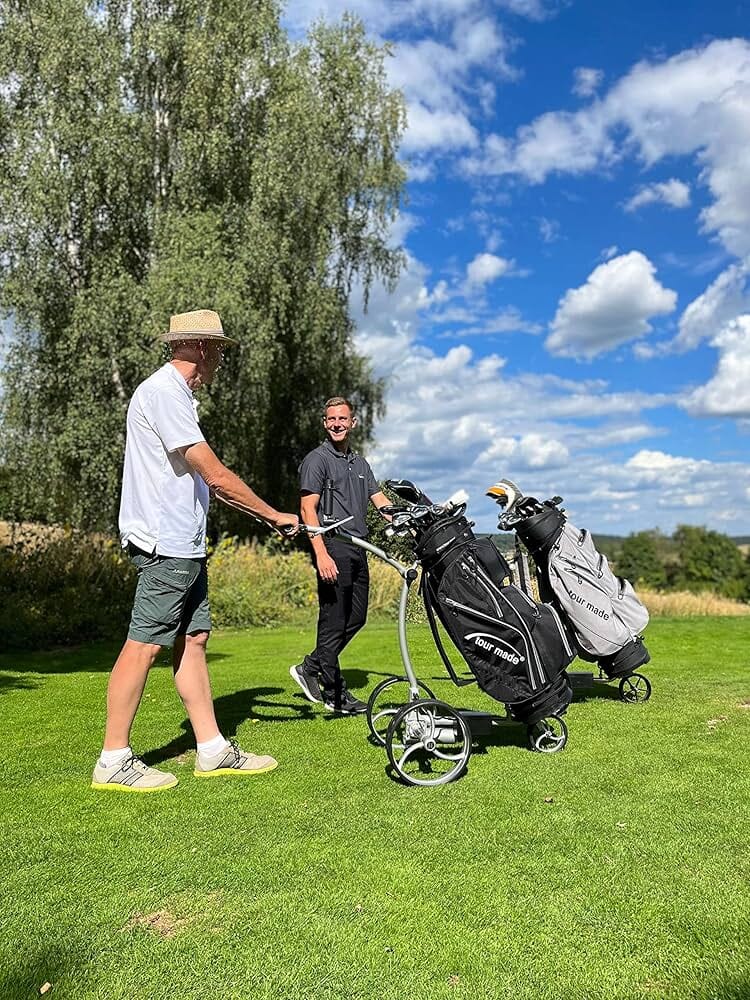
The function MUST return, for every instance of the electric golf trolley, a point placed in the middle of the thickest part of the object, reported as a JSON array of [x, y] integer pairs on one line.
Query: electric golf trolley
[[517, 649]]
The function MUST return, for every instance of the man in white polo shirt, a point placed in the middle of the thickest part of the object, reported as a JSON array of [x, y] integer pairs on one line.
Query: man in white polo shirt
[[168, 475]]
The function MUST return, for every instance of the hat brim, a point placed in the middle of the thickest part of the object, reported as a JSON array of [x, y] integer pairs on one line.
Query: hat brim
[[172, 336]]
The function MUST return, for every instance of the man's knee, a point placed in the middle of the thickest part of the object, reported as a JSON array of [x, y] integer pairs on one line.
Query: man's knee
[[197, 640], [355, 623], [142, 653]]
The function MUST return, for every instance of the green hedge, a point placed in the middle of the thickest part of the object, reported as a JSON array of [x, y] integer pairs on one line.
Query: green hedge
[[62, 587]]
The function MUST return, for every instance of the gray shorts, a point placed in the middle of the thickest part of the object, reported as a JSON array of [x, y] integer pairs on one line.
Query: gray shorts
[[171, 598]]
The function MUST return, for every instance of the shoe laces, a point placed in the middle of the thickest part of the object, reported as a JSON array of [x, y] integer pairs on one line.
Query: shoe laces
[[238, 754], [134, 761]]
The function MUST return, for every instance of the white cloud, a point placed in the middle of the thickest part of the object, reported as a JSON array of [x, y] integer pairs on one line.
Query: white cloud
[[449, 58], [549, 229], [609, 252], [612, 307], [696, 103], [437, 78], [508, 320], [674, 193], [419, 172], [461, 421], [438, 129], [526, 452], [533, 9], [724, 299], [487, 267], [586, 81], [657, 466], [727, 394], [380, 15]]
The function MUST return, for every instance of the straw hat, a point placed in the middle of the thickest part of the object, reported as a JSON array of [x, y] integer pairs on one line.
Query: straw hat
[[202, 324]]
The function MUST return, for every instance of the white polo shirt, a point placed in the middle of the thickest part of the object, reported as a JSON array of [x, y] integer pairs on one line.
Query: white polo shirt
[[164, 502]]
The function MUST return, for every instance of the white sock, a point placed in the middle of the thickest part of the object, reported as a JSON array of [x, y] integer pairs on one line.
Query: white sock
[[109, 758], [214, 746]]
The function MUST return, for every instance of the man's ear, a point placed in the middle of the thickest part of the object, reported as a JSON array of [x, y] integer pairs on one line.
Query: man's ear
[[354, 422]]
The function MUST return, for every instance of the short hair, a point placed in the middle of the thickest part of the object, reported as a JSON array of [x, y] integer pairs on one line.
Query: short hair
[[338, 401]]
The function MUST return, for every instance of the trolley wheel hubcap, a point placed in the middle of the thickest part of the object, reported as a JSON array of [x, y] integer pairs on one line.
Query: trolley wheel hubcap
[[635, 688], [386, 701], [428, 743], [548, 735]]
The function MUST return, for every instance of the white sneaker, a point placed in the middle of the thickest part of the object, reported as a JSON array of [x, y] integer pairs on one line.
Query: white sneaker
[[131, 775], [232, 760]]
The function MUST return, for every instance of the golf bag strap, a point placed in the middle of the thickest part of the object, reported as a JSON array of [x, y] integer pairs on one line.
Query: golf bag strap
[[427, 598], [522, 568]]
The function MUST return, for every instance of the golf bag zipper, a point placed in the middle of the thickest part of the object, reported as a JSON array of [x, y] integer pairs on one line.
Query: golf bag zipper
[[477, 571], [563, 636], [501, 622], [537, 660], [572, 567], [533, 657]]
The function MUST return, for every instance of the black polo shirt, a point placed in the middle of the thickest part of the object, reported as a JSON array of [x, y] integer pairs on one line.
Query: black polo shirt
[[353, 483]]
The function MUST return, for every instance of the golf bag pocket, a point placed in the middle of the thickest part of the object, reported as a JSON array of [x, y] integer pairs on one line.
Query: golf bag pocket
[[602, 608], [513, 646]]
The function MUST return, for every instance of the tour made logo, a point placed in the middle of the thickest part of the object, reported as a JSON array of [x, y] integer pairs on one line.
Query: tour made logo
[[491, 644]]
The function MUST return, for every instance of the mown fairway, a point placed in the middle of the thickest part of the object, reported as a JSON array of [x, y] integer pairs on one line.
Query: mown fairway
[[325, 879]]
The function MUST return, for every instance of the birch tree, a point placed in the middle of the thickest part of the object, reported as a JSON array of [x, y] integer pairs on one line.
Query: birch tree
[[164, 156]]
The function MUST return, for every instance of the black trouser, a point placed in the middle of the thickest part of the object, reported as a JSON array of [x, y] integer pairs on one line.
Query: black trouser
[[343, 611]]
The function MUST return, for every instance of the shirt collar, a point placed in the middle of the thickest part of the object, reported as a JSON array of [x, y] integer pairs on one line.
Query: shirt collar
[[178, 378], [349, 455]]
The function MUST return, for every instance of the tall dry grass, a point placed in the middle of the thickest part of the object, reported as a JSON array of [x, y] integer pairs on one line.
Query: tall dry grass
[[683, 604]]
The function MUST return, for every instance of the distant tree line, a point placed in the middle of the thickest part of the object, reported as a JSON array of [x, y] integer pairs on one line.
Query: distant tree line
[[693, 558]]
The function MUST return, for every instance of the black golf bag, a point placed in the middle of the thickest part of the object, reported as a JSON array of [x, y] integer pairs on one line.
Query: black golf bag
[[516, 649], [602, 609]]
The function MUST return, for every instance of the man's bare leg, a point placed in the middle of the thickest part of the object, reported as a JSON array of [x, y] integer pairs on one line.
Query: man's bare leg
[[125, 689], [193, 684]]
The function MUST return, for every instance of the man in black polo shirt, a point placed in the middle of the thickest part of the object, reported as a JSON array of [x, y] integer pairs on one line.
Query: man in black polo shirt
[[343, 578]]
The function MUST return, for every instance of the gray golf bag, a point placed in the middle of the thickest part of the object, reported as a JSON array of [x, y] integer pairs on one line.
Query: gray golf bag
[[602, 610]]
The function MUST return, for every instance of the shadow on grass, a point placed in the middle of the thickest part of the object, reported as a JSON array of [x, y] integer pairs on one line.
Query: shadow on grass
[[33, 971], [730, 989], [12, 682], [25, 671], [91, 658], [599, 691], [232, 710]]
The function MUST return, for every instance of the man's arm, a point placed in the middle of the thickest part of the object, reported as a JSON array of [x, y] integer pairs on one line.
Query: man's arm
[[324, 562], [203, 460], [381, 500]]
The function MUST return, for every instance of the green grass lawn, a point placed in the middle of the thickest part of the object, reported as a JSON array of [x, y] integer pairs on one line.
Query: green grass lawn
[[326, 879]]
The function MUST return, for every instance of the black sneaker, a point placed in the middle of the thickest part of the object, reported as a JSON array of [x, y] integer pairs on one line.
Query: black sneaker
[[346, 705], [308, 681]]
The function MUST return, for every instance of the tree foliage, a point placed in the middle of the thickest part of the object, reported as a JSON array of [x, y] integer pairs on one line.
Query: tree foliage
[[709, 560], [162, 157], [639, 560]]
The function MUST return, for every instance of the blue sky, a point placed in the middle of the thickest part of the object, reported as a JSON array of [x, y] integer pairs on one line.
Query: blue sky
[[576, 310]]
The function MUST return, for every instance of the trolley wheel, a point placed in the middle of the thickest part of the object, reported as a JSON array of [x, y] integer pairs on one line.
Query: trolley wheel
[[635, 688], [428, 743], [382, 706], [548, 735]]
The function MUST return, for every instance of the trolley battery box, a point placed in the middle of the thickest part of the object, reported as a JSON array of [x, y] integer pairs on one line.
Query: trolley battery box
[[581, 680]]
